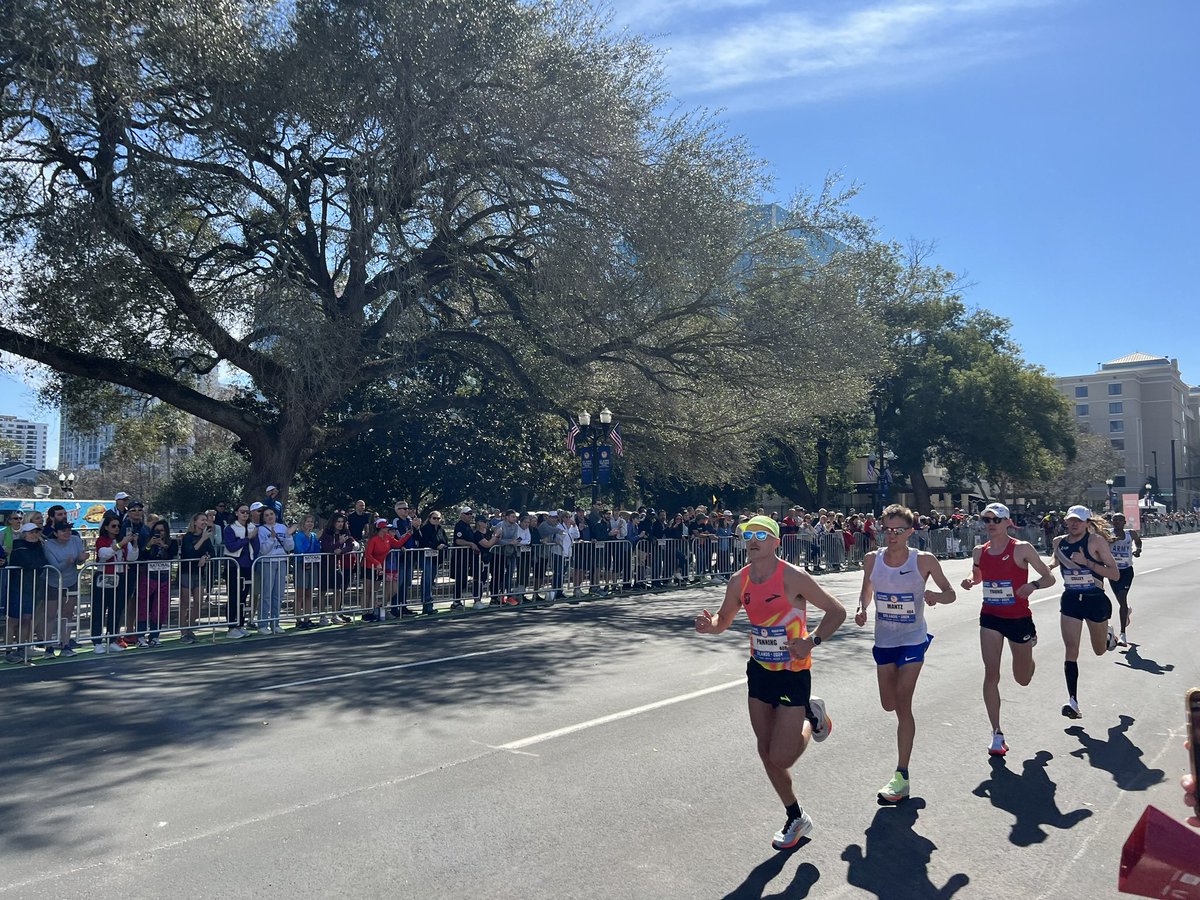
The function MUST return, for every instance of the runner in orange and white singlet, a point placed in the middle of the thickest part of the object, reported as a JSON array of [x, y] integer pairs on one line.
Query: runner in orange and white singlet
[[783, 713]]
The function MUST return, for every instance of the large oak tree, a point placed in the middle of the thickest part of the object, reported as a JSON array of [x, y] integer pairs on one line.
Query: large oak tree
[[310, 197]]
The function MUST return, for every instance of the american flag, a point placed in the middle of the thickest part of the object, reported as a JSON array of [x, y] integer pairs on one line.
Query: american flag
[[615, 437], [572, 433], [872, 474]]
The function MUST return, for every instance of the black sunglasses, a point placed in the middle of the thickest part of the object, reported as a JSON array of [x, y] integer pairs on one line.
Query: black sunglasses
[[990, 520]]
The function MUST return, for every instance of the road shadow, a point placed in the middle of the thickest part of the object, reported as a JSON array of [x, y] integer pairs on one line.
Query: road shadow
[[1135, 660], [1029, 798], [894, 859], [768, 870], [1119, 756]]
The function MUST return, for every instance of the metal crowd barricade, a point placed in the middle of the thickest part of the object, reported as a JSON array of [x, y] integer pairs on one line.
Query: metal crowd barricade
[[833, 550]]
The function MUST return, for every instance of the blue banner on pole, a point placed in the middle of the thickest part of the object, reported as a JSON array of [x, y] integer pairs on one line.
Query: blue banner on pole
[[604, 464], [585, 462]]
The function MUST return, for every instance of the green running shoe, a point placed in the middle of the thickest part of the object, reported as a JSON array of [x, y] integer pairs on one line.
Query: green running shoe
[[895, 790]]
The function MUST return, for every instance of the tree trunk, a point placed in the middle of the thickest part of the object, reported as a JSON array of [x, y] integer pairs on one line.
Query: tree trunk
[[822, 472], [274, 459], [920, 490]]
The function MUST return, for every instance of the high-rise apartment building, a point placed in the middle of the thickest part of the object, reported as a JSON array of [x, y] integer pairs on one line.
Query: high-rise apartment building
[[29, 438], [1146, 410]]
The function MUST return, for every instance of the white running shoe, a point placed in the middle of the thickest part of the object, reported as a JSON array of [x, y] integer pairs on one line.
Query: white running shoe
[[264, 630], [236, 633], [1112, 639], [1121, 640], [823, 726], [278, 629], [100, 647], [999, 747], [1071, 709], [792, 832]]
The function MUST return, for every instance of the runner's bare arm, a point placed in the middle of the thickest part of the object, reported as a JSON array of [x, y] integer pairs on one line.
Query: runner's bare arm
[[1056, 558], [976, 575], [1028, 556], [1101, 551], [864, 596], [802, 587], [1137, 542], [706, 624], [931, 568]]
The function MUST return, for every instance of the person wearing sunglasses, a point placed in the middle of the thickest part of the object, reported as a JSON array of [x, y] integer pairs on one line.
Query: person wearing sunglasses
[[894, 580], [1002, 566], [783, 714], [1084, 556]]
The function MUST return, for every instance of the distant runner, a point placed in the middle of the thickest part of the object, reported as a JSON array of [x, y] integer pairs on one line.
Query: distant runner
[[782, 713], [1125, 547], [894, 580]]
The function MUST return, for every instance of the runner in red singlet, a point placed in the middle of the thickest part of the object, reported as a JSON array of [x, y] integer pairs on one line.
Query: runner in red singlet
[[783, 714], [1002, 566]]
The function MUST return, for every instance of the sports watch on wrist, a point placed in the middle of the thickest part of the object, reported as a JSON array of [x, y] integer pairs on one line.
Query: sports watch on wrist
[[816, 640]]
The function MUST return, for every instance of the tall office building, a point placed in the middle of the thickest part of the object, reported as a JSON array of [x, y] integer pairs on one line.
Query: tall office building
[[1146, 410], [28, 437]]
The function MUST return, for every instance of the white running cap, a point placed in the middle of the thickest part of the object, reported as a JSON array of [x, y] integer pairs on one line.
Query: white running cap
[[999, 510], [1082, 513]]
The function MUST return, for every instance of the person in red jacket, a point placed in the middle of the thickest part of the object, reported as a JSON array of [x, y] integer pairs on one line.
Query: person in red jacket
[[381, 543]]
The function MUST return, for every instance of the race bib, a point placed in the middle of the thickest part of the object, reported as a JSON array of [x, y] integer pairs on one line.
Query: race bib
[[768, 643], [900, 609], [158, 568], [1078, 579], [998, 593], [1123, 556]]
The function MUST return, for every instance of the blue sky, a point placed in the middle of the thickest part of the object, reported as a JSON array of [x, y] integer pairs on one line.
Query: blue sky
[[1050, 149]]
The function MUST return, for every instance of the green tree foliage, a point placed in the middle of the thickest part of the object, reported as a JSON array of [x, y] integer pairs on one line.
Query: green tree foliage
[[326, 195], [955, 389], [198, 482]]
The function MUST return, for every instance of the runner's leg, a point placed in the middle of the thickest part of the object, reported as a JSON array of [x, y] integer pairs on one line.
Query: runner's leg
[[782, 734], [991, 646]]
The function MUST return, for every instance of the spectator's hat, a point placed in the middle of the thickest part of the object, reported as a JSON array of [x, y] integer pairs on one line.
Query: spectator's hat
[[382, 523], [121, 495], [999, 510], [61, 526], [137, 504], [466, 511], [255, 506], [1082, 513], [764, 522], [271, 487], [30, 526]]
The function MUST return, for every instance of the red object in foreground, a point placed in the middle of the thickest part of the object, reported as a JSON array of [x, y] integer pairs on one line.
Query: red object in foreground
[[1161, 858]]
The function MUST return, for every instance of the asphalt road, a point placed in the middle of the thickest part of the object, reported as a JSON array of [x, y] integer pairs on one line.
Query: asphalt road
[[591, 750]]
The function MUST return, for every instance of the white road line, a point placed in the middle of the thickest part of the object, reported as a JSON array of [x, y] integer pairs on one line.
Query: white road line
[[1148, 571], [411, 665], [617, 716]]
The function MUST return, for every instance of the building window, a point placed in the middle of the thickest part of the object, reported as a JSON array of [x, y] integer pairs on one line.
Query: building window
[[1081, 392], [1114, 389], [1081, 409], [1116, 425], [1116, 409], [1118, 443], [1118, 481]]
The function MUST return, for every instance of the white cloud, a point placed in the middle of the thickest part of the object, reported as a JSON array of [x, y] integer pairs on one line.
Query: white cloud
[[744, 53]]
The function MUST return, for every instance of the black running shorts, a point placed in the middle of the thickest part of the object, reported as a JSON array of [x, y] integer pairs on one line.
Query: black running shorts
[[1121, 585], [1019, 631], [1091, 605], [782, 688]]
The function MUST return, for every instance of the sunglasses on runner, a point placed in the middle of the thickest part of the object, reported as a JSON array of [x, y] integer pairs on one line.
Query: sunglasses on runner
[[989, 520], [748, 536], [891, 529]]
